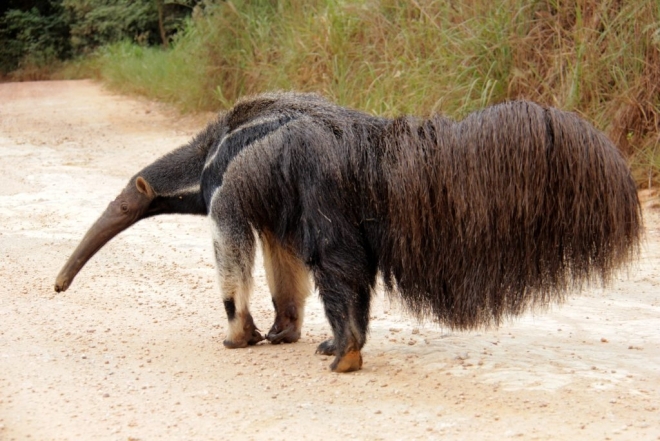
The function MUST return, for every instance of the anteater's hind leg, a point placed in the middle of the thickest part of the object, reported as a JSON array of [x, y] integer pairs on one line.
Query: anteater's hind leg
[[234, 246], [289, 284], [345, 285]]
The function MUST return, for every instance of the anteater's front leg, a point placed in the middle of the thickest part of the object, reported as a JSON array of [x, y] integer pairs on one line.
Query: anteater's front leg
[[234, 245], [288, 279]]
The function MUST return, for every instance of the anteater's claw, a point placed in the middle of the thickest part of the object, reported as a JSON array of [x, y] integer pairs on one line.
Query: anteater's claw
[[287, 335], [255, 338], [327, 348]]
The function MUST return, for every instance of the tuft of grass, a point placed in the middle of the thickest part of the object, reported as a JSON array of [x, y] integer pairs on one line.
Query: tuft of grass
[[172, 77], [598, 58]]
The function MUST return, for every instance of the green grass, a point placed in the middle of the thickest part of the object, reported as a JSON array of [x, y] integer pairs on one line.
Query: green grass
[[600, 59]]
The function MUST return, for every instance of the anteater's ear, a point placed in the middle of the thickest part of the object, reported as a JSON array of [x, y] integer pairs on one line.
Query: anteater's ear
[[144, 187]]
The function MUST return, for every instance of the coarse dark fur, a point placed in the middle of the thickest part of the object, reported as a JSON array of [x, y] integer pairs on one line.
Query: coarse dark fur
[[468, 222]]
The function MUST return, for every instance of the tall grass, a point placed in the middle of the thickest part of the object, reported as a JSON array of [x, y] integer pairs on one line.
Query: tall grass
[[598, 58]]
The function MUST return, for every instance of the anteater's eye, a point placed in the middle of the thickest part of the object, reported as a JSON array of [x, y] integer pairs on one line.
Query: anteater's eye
[[124, 208]]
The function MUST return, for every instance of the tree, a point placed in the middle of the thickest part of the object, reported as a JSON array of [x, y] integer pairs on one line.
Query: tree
[[43, 31], [32, 32]]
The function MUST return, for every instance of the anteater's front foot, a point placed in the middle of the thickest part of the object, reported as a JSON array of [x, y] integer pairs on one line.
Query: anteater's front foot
[[248, 335], [286, 328], [255, 338], [286, 335]]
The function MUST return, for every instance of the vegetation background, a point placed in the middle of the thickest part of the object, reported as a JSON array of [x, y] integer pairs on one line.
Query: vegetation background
[[600, 58]]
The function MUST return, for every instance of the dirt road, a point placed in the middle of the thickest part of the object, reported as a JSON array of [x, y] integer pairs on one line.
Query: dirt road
[[133, 350]]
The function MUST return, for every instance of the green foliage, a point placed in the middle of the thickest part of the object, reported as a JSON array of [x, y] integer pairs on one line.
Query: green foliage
[[95, 23], [98, 22], [31, 39], [141, 70], [35, 35], [599, 58]]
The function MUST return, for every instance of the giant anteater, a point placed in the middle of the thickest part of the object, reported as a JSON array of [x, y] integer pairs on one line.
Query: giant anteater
[[467, 222]]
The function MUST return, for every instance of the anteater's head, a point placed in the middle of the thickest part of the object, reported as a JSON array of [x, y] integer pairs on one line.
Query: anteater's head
[[132, 204], [169, 185]]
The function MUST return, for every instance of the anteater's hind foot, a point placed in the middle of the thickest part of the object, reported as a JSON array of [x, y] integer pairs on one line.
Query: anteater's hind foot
[[286, 328], [346, 296], [349, 362], [327, 348]]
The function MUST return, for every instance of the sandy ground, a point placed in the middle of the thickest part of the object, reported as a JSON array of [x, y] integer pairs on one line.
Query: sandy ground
[[133, 350]]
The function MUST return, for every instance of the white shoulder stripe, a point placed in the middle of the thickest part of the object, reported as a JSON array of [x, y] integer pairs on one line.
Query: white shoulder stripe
[[191, 189], [216, 149], [253, 123]]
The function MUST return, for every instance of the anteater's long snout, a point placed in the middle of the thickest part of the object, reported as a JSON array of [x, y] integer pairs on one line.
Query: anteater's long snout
[[104, 229], [63, 280], [129, 207]]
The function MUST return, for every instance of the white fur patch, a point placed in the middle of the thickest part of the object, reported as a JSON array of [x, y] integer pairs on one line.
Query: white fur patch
[[191, 189], [234, 263], [253, 123]]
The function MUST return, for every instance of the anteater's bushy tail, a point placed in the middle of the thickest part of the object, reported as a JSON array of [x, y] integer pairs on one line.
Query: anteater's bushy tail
[[509, 208]]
